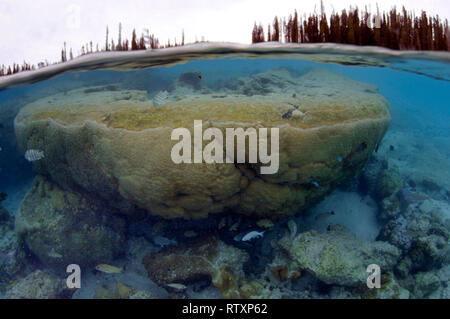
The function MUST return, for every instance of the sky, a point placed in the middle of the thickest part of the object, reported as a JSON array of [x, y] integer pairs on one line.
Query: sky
[[35, 30]]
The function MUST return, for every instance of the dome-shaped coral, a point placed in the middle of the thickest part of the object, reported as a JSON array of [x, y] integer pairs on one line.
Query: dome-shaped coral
[[117, 145]]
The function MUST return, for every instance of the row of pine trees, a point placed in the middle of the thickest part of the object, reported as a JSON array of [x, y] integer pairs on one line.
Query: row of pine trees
[[143, 42], [394, 30]]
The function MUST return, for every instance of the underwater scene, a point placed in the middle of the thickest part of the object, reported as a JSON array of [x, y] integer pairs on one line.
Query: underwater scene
[[201, 173]]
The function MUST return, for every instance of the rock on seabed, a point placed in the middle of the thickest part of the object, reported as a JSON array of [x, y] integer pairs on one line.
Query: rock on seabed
[[61, 227], [337, 256], [39, 285], [116, 144]]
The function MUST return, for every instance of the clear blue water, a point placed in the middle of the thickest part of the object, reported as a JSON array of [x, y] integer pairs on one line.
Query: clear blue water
[[416, 149]]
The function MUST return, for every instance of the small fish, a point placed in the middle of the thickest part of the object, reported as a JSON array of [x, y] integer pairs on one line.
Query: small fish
[[54, 254], [108, 269], [34, 155], [190, 234], [177, 286], [340, 158], [315, 184], [234, 227], [287, 115], [410, 197], [292, 225], [222, 223], [265, 223], [1, 149], [252, 235], [158, 227], [361, 147], [203, 247], [323, 216], [160, 98], [163, 241]]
